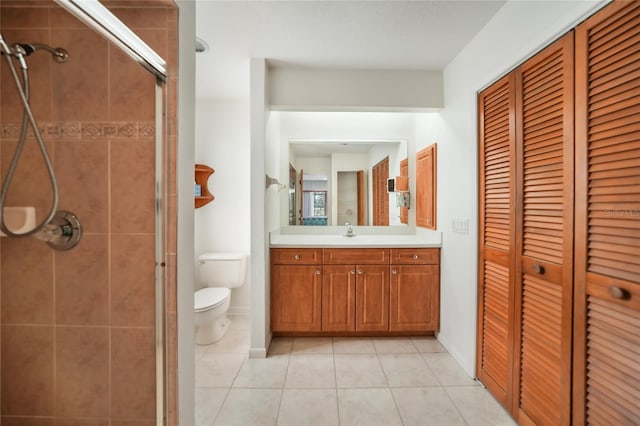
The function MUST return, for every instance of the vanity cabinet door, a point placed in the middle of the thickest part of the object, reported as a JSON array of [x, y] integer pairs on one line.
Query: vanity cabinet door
[[339, 298], [296, 297], [372, 298], [414, 298]]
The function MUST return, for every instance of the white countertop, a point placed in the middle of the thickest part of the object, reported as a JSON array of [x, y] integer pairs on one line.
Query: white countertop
[[277, 239]]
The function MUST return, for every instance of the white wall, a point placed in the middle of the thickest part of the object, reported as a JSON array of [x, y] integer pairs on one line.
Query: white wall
[[518, 30], [186, 141], [222, 142], [325, 89]]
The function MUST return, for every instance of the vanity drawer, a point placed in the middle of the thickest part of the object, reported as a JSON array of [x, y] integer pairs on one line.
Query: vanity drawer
[[415, 256], [356, 256], [296, 256]]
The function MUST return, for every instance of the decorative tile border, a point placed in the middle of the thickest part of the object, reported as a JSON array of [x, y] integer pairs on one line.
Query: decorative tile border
[[85, 130]]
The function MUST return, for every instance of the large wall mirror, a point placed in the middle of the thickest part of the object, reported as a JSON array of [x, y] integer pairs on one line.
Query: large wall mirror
[[333, 182]]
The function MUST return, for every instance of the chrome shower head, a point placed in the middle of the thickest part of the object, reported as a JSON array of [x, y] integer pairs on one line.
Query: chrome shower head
[[59, 54]]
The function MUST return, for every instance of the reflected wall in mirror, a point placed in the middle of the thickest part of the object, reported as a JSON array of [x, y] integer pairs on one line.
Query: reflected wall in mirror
[[350, 194]]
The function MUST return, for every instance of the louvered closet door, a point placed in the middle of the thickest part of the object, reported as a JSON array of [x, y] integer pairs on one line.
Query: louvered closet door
[[497, 238], [607, 304], [545, 251]]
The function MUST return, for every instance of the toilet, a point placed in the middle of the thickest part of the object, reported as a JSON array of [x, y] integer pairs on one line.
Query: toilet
[[219, 273]]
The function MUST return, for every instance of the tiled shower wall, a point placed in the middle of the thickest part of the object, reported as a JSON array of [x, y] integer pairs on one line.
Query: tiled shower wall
[[77, 327]]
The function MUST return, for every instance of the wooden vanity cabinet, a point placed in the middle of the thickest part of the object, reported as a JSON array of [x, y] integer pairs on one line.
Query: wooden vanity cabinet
[[365, 273], [296, 289], [339, 298], [414, 290], [355, 290]]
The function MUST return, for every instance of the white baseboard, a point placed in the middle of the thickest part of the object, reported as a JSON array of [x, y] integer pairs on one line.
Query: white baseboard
[[238, 311], [257, 353]]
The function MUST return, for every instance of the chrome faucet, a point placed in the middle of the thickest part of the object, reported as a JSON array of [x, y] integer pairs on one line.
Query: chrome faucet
[[349, 232]]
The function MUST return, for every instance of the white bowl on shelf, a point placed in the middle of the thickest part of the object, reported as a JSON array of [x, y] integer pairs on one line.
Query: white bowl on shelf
[[19, 219]]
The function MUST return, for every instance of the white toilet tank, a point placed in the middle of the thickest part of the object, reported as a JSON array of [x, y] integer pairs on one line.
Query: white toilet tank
[[223, 269]]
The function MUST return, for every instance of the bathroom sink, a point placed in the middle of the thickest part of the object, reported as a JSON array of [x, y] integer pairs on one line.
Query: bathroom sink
[[19, 219]]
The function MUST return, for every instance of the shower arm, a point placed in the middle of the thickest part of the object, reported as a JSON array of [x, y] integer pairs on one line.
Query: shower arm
[[61, 230]]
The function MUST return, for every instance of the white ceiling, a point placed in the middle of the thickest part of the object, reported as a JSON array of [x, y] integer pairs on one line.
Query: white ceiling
[[411, 35]]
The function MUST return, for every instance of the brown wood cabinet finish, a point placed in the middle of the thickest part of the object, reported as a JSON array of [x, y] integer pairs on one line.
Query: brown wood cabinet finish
[[350, 288], [607, 237], [559, 274], [348, 256], [496, 275], [339, 298], [544, 237], [426, 184], [202, 173], [414, 297], [296, 293]]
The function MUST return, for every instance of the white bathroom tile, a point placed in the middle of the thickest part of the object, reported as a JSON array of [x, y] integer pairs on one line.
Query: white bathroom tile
[[310, 371], [217, 370], [207, 404], [359, 371], [478, 407], [312, 345], [426, 406], [280, 345], [447, 370], [407, 370], [308, 407], [353, 345], [248, 407], [367, 407], [394, 345], [262, 372], [428, 344]]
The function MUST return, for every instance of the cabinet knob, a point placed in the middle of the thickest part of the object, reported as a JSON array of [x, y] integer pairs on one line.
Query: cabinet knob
[[296, 257], [538, 269], [394, 272], [619, 293], [360, 272], [415, 257], [318, 272], [353, 272]]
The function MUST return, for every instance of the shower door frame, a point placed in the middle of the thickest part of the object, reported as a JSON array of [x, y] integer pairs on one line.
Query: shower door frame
[[95, 16]]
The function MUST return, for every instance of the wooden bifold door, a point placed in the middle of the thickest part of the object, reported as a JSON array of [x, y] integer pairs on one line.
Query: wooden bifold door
[[559, 246]]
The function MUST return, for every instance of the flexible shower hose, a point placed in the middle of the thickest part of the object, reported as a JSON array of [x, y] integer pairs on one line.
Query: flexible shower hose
[[27, 118]]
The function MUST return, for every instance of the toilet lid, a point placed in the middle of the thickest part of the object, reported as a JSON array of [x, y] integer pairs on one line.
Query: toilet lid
[[209, 297]]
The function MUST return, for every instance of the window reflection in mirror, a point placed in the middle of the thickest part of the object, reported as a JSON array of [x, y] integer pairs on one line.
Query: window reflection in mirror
[[314, 199]]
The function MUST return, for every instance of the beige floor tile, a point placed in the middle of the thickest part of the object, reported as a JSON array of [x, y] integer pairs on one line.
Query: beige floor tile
[[353, 345], [308, 407], [217, 370], [447, 370], [478, 407], [233, 341], [310, 372], [312, 345], [394, 345], [208, 402], [250, 407], [359, 371], [428, 344], [280, 345], [262, 372], [426, 406], [407, 370], [367, 407], [240, 322]]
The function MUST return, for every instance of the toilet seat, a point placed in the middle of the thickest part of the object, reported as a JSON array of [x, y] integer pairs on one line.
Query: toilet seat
[[210, 297]]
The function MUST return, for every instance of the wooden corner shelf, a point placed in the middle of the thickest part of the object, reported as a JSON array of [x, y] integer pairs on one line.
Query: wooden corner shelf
[[202, 173]]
